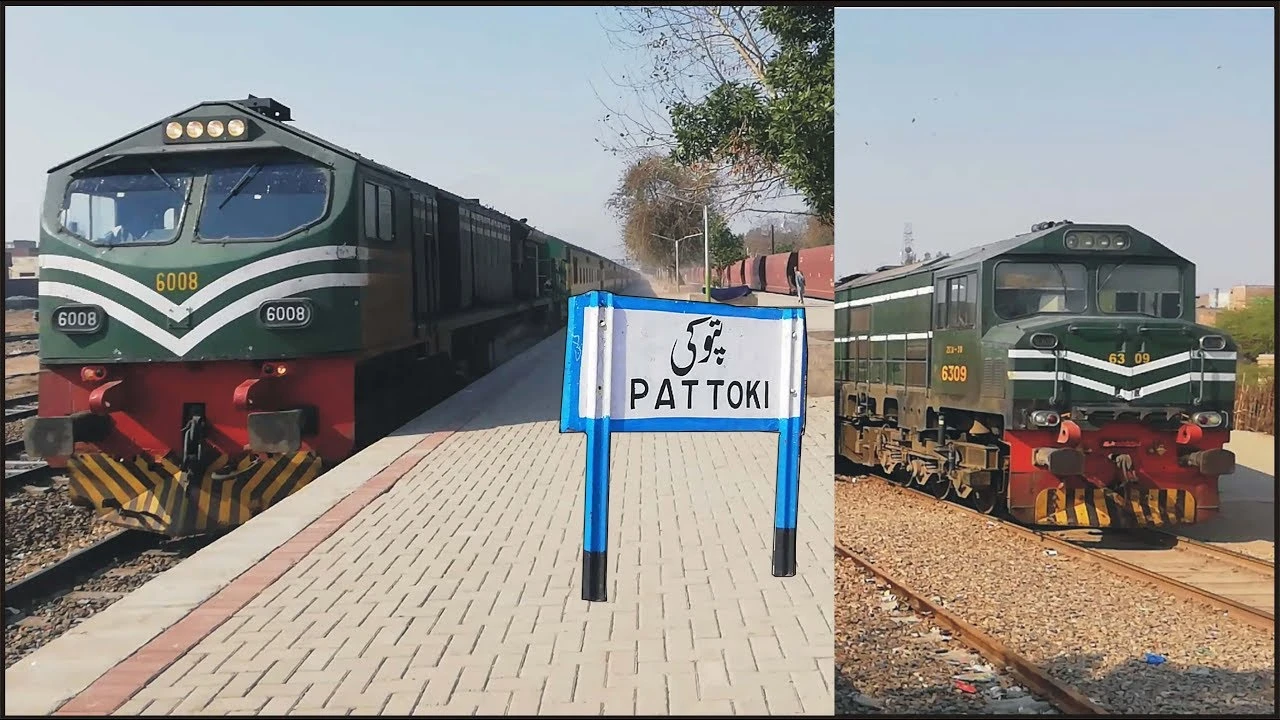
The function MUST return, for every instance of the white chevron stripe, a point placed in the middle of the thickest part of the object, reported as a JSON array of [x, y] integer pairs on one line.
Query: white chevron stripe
[[1127, 395], [209, 292], [1100, 364], [891, 336], [913, 292], [180, 346]]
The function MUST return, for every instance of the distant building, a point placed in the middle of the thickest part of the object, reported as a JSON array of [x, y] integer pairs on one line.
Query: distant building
[[23, 266], [21, 259], [1210, 304], [1241, 295]]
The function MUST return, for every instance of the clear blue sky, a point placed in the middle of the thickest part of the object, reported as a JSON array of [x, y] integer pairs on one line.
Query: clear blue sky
[[495, 103], [1088, 115]]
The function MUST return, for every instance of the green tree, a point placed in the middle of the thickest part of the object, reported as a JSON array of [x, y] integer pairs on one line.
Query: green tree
[[726, 246], [785, 119], [1253, 327]]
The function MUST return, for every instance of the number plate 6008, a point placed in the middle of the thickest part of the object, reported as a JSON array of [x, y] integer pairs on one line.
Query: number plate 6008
[[78, 319], [286, 314]]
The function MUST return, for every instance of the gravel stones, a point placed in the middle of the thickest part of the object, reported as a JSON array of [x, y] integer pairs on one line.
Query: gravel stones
[[890, 660], [1083, 625], [41, 527]]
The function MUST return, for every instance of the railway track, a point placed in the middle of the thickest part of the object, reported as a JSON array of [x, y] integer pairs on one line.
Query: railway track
[[1246, 580], [1245, 590], [20, 473], [62, 576], [1062, 696], [17, 337], [20, 407]]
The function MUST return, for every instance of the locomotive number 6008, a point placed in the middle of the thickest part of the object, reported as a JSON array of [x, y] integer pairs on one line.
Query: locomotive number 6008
[[78, 319], [286, 314]]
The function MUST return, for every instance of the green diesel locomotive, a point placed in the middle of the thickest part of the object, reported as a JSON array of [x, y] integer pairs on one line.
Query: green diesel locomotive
[[229, 304], [1057, 375]]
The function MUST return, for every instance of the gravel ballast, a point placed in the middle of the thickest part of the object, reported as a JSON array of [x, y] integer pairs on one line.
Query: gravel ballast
[[890, 660], [48, 620], [41, 527], [1084, 625]]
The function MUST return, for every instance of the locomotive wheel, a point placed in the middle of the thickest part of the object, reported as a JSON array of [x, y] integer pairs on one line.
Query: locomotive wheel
[[940, 487], [984, 501]]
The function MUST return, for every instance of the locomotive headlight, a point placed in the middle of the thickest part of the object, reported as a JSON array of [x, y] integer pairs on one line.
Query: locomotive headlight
[[195, 129], [1120, 242], [215, 128], [1044, 341], [235, 128], [1209, 419], [1045, 418], [1072, 241], [173, 130], [1212, 342]]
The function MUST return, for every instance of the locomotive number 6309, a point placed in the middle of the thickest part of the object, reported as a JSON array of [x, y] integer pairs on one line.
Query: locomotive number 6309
[[289, 313], [954, 373]]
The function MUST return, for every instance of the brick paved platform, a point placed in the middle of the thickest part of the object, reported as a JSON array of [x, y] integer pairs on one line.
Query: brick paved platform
[[439, 572]]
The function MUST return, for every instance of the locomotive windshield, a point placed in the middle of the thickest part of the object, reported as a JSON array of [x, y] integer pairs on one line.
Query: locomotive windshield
[[1023, 289], [1154, 290], [262, 200], [126, 209]]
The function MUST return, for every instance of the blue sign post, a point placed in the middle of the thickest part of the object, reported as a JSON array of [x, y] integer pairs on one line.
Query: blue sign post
[[644, 365]]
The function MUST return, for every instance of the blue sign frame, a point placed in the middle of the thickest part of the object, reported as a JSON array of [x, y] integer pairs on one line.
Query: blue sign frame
[[595, 533]]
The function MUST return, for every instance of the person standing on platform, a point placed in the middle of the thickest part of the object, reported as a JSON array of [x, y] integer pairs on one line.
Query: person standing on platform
[[800, 285]]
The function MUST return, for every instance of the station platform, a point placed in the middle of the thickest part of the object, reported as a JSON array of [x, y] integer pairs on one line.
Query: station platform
[[439, 571]]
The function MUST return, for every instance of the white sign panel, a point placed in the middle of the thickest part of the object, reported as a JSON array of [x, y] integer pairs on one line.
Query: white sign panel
[[638, 364], [670, 365]]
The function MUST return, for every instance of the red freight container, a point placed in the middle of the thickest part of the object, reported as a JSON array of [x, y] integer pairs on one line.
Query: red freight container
[[819, 267], [779, 273]]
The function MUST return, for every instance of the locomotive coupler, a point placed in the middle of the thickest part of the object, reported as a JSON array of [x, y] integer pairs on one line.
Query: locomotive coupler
[[194, 457], [1124, 470]]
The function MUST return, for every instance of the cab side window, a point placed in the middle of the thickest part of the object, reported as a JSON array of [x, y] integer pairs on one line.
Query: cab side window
[[955, 303], [379, 223]]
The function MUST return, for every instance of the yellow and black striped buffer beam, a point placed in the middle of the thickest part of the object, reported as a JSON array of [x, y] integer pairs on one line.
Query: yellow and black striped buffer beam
[[159, 497], [1103, 508]]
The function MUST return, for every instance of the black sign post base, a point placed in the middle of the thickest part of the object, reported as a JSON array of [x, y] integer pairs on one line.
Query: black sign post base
[[595, 571], [784, 552]]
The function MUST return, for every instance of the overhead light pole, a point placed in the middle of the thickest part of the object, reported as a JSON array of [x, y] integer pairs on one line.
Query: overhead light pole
[[677, 243], [706, 242]]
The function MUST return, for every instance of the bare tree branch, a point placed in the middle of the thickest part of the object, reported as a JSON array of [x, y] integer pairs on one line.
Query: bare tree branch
[[680, 53]]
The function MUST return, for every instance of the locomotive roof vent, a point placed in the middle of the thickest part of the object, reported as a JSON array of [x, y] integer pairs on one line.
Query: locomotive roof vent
[[268, 107]]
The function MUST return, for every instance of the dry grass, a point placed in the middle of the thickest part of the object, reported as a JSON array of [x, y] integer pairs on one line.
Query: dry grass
[[1256, 405]]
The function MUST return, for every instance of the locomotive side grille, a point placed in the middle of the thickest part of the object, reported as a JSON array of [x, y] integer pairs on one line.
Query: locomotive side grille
[[994, 369]]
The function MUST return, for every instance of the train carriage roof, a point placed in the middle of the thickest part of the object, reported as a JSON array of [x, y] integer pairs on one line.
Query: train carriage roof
[[974, 256]]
